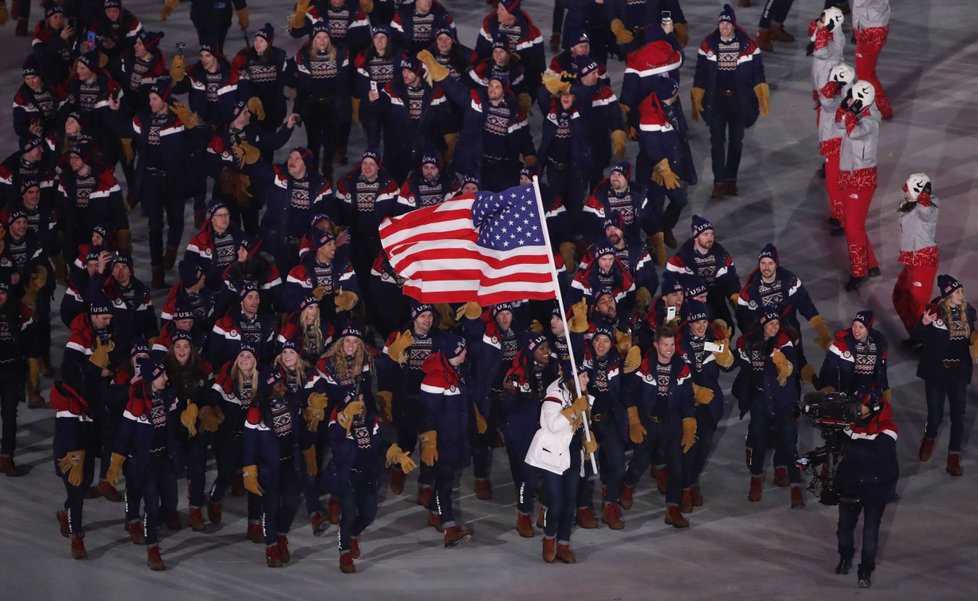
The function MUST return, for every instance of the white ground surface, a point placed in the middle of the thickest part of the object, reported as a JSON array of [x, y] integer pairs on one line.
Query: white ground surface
[[734, 549]]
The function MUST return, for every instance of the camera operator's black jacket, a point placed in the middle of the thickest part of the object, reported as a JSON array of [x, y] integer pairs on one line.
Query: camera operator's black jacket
[[869, 468]]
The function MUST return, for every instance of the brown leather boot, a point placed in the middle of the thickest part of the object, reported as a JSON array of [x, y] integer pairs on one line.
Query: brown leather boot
[[763, 40], [611, 517], [674, 517], [319, 523], [661, 479], [78, 548], [62, 516], [627, 496], [424, 496], [108, 492], [954, 464], [254, 533], [483, 489], [731, 187], [781, 476], [697, 497], [456, 535], [396, 480], [434, 520], [524, 525], [926, 448], [756, 484], [283, 548], [686, 504], [555, 43], [154, 560], [743, 3], [778, 34], [333, 510], [797, 497], [136, 534], [669, 238], [195, 518], [549, 549], [273, 557], [586, 519], [346, 563], [214, 513], [719, 191], [8, 467], [169, 257], [173, 522], [565, 554], [355, 547]]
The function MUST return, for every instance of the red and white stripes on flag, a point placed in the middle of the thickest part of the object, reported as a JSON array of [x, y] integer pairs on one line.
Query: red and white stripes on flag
[[446, 258]]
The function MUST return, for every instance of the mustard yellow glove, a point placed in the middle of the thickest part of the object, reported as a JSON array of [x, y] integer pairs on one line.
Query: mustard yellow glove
[[702, 394], [827, 389], [536, 327], [567, 252], [298, 18], [590, 444], [429, 447], [39, 277], [398, 348], [725, 357], [436, 70], [355, 108], [636, 431], [177, 67], [657, 242], [345, 417], [470, 310], [385, 405], [784, 367], [481, 426], [123, 240], [763, 93], [696, 94], [682, 33], [367, 6], [346, 300], [888, 395], [622, 35], [689, 433], [249, 474], [663, 175], [127, 151], [189, 118], [100, 356], [555, 83], [73, 465], [735, 298], [623, 341], [188, 417], [312, 469], [168, 7], [578, 321], [210, 418], [530, 161], [643, 298], [823, 337], [633, 360], [974, 345], [243, 19], [114, 473], [446, 317], [573, 413], [526, 103], [246, 152], [256, 108], [618, 138], [319, 292], [396, 455], [807, 373]]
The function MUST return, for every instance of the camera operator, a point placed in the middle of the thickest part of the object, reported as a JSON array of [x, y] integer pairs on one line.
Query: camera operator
[[866, 481], [856, 359]]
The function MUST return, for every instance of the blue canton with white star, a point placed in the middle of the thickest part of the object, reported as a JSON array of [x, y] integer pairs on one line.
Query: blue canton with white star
[[507, 220]]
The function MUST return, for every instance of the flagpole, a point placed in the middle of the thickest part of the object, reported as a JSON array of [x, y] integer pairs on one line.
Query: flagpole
[[560, 305]]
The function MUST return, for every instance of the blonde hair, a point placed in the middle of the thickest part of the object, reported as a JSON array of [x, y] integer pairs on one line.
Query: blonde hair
[[334, 357], [300, 368], [238, 377], [317, 332], [946, 314]]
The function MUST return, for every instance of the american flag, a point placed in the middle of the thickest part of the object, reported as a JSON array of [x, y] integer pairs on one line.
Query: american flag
[[489, 248]]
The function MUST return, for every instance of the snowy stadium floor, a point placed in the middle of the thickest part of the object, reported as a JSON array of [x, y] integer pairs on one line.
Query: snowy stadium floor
[[734, 549]]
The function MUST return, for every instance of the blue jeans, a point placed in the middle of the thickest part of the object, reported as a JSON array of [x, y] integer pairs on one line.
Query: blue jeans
[[561, 500], [956, 391], [358, 507], [848, 518]]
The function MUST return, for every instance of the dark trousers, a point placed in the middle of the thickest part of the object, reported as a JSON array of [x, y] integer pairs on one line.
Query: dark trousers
[[678, 198], [561, 500], [774, 10], [358, 507], [726, 138], [327, 129], [667, 438], [314, 488], [109, 415], [848, 519], [155, 483], [785, 441], [499, 175], [526, 478], [441, 501], [611, 458], [280, 499], [11, 394], [695, 460], [212, 27], [75, 495], [956, 391], [156, 194], [197, 464], [571, 186], [228, 450]]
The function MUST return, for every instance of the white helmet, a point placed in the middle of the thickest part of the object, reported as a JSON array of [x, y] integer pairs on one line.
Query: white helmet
[[842, 73], [916, 184], [864, 93], [833, 18]]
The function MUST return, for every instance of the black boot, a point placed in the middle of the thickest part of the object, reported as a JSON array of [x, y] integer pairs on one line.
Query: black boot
[[844, 566], [865, 578], [855, 283]]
